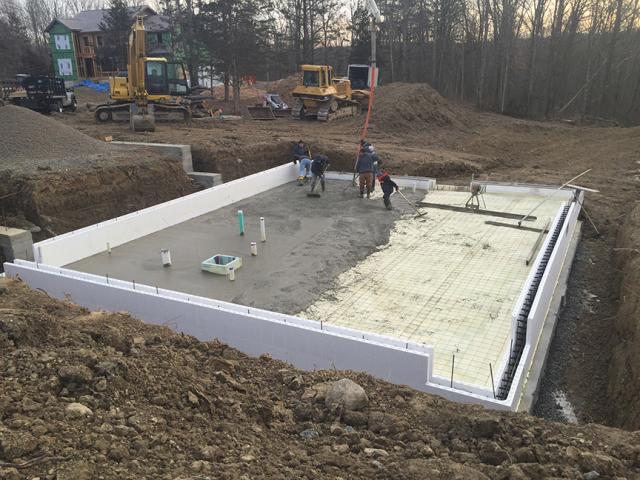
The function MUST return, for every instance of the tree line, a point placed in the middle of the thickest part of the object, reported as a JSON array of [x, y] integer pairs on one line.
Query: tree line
[[529, 58]]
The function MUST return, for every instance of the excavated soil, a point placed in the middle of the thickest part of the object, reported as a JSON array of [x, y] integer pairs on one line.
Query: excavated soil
[[285, 86], [102, 395], [55, 178], [400, 107], [624, 369], [57, 202]]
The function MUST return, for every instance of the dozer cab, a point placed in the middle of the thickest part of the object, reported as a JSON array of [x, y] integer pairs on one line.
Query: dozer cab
[[323, 96], [146, 94]]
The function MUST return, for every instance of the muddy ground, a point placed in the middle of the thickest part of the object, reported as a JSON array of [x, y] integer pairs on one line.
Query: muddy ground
[[451, 144], [101, 395]]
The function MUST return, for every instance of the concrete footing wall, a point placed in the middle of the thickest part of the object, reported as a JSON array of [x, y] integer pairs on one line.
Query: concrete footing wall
[[306, 344]]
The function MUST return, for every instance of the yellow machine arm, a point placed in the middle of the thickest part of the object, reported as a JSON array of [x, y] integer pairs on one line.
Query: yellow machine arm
[[136, 57]]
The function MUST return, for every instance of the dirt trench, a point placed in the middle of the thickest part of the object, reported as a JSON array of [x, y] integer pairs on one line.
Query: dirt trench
[[61, 201], [624, 368]]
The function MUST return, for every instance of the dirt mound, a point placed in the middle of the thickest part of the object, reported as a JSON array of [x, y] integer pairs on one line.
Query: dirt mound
[[28, 136], [624, 367], [402, 107], [86, 394], [284, 87]]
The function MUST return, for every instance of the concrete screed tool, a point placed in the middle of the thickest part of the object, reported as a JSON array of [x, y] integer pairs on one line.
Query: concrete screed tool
[[420, 214]]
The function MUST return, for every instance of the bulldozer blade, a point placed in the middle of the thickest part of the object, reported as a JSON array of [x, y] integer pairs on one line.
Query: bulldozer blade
[[283, 112], [142, 118], [143, 123], [261, 113]]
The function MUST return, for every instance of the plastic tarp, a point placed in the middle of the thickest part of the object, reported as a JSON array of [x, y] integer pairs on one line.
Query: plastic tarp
[[97, 86]]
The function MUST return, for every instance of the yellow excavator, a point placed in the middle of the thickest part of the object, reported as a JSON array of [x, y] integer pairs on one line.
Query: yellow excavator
[[147, 93], [323, 96]]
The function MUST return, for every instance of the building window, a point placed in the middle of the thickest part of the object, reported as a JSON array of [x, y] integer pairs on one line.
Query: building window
[[99, 40], [62, 42], [87, 41], [159, 38], [65, 67]]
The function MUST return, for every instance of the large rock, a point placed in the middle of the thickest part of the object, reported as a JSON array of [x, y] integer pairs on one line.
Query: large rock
[[347, 394], [77, 410]]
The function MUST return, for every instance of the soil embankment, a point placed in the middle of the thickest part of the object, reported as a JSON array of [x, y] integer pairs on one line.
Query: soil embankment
[[102, 395], [60, 179], [624, 369]]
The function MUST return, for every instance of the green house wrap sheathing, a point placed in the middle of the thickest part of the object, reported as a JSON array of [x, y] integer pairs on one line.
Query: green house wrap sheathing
[[62, 48]]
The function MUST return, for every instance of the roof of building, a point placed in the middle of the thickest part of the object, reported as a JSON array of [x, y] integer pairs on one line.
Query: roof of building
[[90, 20]]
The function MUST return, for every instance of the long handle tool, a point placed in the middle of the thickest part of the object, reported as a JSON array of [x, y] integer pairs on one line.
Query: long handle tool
[[420, 214]]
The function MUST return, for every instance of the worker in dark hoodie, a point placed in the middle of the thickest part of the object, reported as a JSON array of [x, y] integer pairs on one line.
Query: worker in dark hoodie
[[364, 167], [388, 186]]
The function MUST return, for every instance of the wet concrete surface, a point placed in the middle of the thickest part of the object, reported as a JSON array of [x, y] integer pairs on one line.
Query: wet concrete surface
[[310, 241]]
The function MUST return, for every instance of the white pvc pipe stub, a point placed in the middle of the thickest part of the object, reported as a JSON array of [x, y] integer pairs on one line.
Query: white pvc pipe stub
[[254, 249], [263, 230]]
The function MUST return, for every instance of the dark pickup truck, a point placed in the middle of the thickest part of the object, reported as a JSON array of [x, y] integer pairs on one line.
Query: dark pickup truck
[[38, 92]]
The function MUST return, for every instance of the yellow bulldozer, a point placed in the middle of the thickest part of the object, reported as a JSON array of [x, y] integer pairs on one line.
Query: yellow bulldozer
[[325, 97], [148, 93]]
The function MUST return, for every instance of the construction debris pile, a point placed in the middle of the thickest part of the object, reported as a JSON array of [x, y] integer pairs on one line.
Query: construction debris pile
[[101, 395], [28, 137]]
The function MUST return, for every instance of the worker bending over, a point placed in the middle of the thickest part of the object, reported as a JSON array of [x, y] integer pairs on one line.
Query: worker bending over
[[301, 154], [364, 167], [319, 166], [387, 186]]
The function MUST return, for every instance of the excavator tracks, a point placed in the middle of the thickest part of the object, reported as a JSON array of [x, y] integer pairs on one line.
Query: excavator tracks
[[120, 112]]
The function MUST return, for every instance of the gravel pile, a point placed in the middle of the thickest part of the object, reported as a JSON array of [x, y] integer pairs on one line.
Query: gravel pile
[[31, 141]]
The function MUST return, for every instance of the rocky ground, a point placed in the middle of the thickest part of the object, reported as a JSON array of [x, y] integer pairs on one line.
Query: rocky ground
[[103, 396]]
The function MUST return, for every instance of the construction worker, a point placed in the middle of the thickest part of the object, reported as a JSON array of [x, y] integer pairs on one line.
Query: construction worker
[[364, 167], [377, 164], [301, 154], [319, 166], [387, 186], [300, 151]]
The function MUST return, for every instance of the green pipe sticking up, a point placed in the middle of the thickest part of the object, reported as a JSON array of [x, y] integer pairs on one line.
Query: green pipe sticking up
[[241, 221]]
